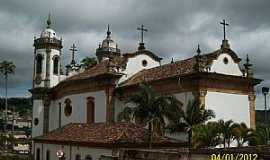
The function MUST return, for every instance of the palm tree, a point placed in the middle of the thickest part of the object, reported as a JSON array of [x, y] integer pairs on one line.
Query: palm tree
[[192, 116], [242, 134], [225, 129], [206, 135], [6, 68], [88, 62], [151, 108], [262, 135]]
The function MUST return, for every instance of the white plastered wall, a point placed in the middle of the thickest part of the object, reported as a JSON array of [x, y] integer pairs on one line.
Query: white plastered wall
[[134, 65], [228, 106], [70, 151], [231, 68], [38, 111], [79, 106]]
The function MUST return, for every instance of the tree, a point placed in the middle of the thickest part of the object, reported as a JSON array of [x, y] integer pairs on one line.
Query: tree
[[88, 62], [261, 135], [188, 119], [206, 135], [242, 134], [225, 129], [6, 68], [151, 108]]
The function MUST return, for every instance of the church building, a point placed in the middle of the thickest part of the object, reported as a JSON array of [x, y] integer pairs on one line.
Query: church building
[[75, 111]]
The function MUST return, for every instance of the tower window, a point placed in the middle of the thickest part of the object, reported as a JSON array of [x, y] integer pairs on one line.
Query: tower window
[[55, 64], [38, 154], [90, 110], [68, 108], [39, 64]]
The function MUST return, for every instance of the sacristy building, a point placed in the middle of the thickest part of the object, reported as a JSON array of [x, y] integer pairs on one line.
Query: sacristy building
[[74, 112]]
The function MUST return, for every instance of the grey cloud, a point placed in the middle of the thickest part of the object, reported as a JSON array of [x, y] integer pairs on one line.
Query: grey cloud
[[175, 28]]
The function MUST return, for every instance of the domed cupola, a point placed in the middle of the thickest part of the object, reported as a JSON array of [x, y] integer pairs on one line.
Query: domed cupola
[[108, 48], [48, 37]]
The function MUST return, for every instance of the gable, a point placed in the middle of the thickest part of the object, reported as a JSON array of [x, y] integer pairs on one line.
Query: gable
[[225, 64]]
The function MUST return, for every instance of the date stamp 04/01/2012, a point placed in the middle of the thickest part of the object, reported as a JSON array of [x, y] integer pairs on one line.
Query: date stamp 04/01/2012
[[238, 156]]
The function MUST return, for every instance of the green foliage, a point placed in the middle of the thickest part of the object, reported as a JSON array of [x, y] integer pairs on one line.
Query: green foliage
[[22, 105], [206, 135], [194, 114], [261, 135], [150, 108], [242, 134], [225, 129], [7, 68], [88, 62]]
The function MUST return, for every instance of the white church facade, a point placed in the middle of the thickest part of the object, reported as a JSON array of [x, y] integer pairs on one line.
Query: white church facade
[[75, 112]]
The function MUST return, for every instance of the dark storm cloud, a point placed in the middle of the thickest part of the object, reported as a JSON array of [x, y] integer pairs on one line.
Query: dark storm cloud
[[175, 28]]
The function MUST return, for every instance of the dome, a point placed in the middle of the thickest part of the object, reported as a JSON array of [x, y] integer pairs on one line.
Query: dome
[[48, 32], [108, 43]]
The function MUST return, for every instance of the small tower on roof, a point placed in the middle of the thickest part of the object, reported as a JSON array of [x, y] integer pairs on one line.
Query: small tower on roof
[[73, 67], [108, 48]]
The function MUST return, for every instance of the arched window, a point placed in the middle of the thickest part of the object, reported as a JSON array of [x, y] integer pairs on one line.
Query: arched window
[[88, 157], [38, 154], [55, 64], [39, 59], [78, 157], [68, 107], [90, 110], [47, 155]]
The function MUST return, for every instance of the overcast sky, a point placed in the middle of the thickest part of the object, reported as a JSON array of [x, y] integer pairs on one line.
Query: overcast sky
[[175, 27]]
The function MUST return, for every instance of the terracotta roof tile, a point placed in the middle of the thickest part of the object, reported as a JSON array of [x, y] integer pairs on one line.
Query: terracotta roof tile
[[102, 68], [103, 133], [178, 68], [161, 72]]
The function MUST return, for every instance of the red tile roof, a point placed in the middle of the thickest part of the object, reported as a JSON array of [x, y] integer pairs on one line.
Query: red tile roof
[[161, 72], [178, 68], [103, 134], [97, 70]]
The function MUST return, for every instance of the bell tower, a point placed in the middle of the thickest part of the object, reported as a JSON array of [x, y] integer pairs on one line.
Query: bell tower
[[47, 74], [47, 58]]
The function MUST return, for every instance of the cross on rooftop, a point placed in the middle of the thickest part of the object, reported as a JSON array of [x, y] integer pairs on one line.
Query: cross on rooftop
[[142, 29], [224, 28], [73, 50]]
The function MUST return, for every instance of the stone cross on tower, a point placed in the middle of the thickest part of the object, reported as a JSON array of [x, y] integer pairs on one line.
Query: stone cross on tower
[[73, 50], [142, 29], [224, 28]]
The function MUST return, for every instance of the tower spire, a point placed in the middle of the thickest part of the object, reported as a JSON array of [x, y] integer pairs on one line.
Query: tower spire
[[49, 22], [198, 50]]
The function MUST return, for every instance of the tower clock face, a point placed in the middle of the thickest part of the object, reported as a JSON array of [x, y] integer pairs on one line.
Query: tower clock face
[[38, 80]]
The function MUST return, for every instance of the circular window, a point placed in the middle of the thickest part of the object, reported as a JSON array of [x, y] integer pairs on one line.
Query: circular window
[[144, 63], [68, 107], [36, 121], [225, 60]]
